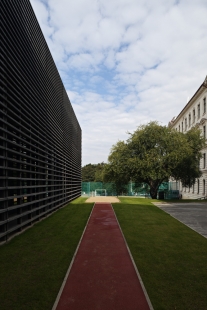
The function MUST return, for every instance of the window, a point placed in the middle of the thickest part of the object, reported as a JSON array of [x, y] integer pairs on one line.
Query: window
[[198, 110], [189, 118], [186, 123], [204, 132], [179, 128], [182, 126], [198, 186], [204, 160], [194, 116], [204, 186], [204, 105]]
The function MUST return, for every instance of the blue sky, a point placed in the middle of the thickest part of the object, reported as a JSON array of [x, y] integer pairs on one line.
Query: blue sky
[[125, 62]]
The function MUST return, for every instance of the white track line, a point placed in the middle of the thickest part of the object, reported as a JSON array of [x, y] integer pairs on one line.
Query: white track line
[[71, 263], [135, 267]]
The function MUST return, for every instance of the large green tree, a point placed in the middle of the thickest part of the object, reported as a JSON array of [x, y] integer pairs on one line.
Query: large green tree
[[116, 169], [153, 154]]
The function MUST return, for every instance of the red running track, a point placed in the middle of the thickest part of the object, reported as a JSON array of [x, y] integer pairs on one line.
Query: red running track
[[102, 276]]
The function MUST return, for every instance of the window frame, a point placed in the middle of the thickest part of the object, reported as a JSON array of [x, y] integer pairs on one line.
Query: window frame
[[189, 119], [186, 123], [194, 116], [199, 110], [204, 105]]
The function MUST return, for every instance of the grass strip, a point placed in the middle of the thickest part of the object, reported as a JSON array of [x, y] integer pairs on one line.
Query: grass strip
[[33, 264], [170, 257]]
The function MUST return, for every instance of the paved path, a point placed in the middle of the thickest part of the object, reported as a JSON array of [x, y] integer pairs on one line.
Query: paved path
[[103, 276], [192, 214]]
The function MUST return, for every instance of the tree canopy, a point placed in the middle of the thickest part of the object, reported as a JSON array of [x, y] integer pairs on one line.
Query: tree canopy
[[93, 172], [116, 168], [153, 154]]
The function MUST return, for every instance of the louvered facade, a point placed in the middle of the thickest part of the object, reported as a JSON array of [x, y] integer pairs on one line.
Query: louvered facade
[[40, 137]]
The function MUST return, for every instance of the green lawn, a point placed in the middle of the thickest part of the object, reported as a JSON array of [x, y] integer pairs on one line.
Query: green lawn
[[171, 258], [33, 264]]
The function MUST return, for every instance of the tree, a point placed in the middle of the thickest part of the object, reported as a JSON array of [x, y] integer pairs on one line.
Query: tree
[[93, 172], [154, 153], [115, 170], [99, 172], [189, 169], [88, 173]]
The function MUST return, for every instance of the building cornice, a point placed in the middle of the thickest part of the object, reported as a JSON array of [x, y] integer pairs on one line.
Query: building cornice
[[193, 98], [203, 120]]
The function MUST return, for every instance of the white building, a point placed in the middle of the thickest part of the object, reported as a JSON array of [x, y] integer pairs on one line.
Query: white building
[[194, 114]]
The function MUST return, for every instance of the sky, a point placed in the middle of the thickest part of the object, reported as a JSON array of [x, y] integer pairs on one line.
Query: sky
[[125, 62]]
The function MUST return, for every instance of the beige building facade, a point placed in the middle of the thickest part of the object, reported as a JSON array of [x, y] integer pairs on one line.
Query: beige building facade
[[195, 114]]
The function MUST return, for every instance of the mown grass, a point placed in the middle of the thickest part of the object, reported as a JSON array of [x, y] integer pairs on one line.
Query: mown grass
[[170, 257], [33, 264]]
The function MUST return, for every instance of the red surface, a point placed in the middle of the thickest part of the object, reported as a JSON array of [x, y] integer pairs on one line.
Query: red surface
[[102, 275]]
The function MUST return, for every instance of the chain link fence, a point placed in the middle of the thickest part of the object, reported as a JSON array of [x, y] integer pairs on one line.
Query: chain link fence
[[168, 189]]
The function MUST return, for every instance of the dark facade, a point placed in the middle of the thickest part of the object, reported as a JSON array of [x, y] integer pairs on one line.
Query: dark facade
[[40, 137]]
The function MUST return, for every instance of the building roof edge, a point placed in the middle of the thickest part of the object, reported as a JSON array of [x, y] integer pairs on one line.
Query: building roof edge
[[204, 84]]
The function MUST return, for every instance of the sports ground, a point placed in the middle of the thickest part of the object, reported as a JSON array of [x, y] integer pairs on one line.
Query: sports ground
[[170, 259], [102, 275]]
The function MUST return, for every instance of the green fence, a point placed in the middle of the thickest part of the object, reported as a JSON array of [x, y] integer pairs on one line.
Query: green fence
[[94, 189], [131, 189]]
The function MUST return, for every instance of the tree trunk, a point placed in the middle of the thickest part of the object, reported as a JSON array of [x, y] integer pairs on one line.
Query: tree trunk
[[154, 186], [153, 193]]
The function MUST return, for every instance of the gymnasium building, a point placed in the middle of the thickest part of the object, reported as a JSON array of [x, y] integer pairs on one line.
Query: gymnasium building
[[40, 137]]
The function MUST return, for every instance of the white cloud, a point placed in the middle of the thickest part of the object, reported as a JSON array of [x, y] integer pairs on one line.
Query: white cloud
[[42, 16], [125, 62]]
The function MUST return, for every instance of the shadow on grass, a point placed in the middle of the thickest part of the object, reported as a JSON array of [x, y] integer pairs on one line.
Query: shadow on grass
[[33, 264]]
